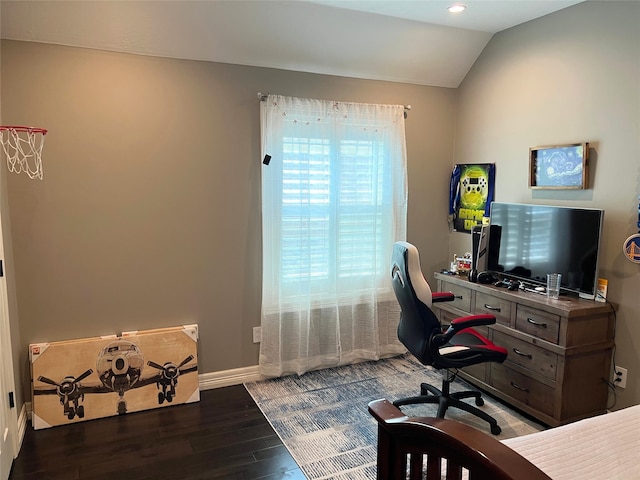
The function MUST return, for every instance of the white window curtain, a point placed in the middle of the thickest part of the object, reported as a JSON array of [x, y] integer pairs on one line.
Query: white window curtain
[[334, 199]]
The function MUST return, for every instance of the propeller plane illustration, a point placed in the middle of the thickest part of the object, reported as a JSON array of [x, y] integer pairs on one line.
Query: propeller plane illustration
[[119, 368]]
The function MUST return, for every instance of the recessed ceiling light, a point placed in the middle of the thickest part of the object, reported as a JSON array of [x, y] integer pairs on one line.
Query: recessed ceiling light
[[457, 8]]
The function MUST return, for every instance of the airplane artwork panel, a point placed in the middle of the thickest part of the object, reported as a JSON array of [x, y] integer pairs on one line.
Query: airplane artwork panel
[[98, 377]]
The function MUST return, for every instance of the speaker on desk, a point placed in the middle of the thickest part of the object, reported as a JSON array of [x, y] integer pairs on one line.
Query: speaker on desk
[[485, 248]]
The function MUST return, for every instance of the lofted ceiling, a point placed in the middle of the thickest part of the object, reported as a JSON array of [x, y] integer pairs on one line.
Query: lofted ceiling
[[409, 41]]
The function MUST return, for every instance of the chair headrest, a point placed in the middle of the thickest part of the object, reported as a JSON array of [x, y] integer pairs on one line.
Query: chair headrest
[[406, 255]]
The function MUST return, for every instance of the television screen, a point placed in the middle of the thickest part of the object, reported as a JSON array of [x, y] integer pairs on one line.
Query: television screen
[[536, 239]]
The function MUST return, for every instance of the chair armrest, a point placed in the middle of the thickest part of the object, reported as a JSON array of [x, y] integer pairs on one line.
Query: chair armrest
[[472, 321], [459, 324], [460, 445], [437, 297]]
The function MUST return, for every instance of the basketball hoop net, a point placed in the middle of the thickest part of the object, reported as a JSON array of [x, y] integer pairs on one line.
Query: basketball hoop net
[[23, 148]]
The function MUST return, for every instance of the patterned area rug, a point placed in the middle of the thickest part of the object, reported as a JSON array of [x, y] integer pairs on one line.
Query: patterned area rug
[[323, 420]]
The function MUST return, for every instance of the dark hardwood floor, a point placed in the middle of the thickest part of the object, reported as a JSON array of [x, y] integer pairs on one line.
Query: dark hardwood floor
[[223, 436]]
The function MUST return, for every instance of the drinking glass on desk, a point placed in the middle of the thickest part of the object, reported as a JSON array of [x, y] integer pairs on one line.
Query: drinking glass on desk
[[553, 285]]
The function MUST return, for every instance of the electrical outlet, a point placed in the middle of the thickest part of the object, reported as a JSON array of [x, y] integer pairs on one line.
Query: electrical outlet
[[620, 377], [257, 336]]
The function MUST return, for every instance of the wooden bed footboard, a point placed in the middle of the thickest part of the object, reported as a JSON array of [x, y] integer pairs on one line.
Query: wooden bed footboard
[[413, 448]]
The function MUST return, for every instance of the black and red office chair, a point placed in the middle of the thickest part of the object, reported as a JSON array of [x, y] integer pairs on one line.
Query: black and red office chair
[[421, 332]]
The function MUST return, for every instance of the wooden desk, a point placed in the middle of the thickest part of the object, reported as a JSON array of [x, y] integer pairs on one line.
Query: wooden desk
[[559, 350]]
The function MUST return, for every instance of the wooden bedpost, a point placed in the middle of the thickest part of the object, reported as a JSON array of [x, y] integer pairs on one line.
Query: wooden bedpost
[[449, 448]]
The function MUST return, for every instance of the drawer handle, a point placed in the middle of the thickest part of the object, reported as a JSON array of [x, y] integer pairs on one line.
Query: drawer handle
[[493, 309], [537, 324], [515, 385], [522, 354]]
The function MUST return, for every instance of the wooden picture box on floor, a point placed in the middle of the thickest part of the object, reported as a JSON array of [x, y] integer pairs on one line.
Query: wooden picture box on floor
[[99, 377]]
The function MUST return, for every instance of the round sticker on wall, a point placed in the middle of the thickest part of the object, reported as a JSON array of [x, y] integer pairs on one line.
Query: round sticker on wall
[[631, 248]]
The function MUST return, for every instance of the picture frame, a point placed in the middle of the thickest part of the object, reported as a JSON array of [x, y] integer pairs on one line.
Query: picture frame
[[559, 167]]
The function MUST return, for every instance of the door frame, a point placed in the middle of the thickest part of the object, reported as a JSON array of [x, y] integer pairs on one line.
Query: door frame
[[7, 379]]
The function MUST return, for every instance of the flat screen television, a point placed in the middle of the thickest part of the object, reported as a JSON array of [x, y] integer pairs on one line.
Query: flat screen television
[[533, 240]]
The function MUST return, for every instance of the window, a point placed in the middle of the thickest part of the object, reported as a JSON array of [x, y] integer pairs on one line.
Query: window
[[324, 200], [333, 202]]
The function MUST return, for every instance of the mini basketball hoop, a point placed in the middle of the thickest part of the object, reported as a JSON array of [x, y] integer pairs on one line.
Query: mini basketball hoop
[[23, 148]]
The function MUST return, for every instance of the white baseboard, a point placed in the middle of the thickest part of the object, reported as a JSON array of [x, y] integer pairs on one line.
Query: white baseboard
[[22, 425], [226, 378], [206, 381]]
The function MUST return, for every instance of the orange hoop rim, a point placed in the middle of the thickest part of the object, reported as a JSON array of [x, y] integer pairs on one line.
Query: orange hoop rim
[[23, 129]]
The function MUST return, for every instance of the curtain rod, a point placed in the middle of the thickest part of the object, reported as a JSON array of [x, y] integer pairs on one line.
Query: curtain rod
[[263, 97]]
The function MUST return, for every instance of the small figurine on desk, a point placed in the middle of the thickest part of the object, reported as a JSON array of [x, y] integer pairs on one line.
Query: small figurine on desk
[[453, 268], [462, 264]]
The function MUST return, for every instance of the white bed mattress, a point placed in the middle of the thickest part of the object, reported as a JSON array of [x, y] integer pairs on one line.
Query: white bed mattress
[[605, 447]]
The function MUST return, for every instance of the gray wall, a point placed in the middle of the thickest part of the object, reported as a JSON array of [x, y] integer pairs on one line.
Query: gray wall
[[149, 211], [9, 274], [572, 76]]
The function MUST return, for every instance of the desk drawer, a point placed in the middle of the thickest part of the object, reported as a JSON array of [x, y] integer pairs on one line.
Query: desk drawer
[[497, 307], [463, 296], [538, 323], [478, 371], [523, 388], [529, 356]]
